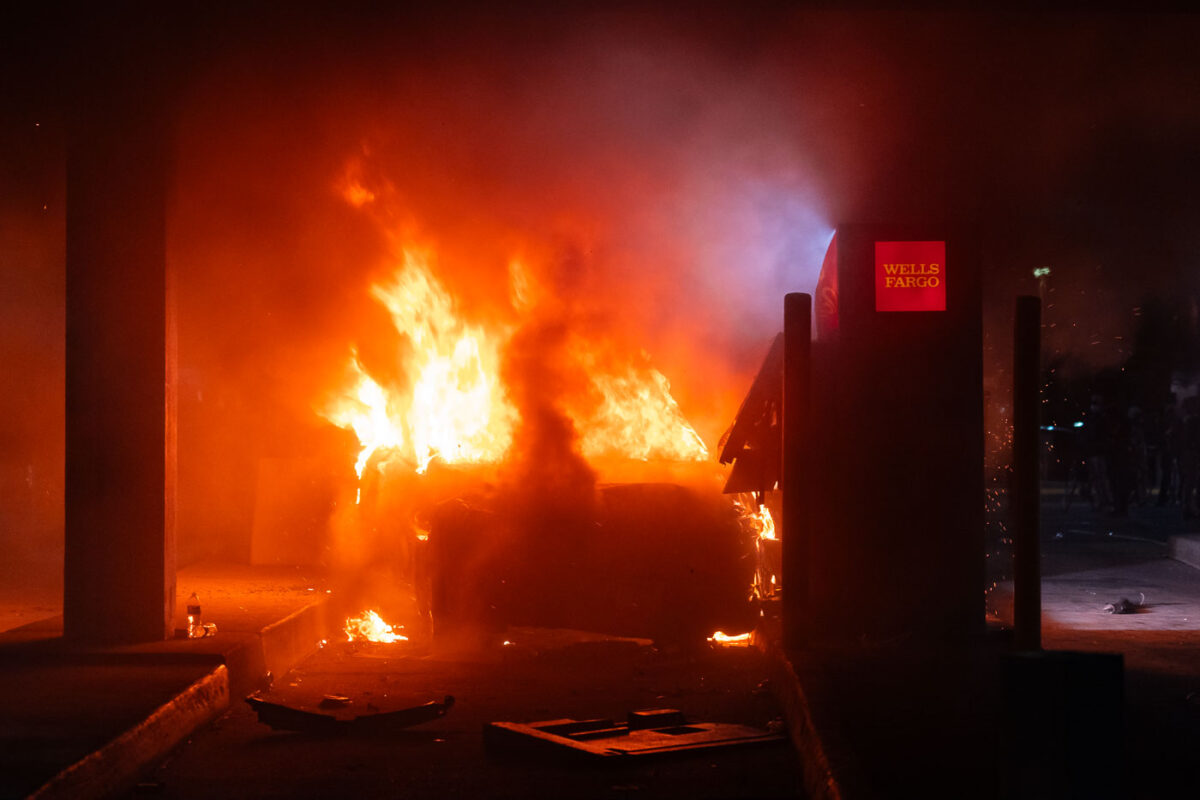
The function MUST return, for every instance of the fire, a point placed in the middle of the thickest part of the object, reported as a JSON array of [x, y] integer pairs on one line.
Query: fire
[[762, 521], [730, 640], [757, 520], [370, 627], [446, 400], [456, 409], [365, 412], [638, 418], [453, 405]]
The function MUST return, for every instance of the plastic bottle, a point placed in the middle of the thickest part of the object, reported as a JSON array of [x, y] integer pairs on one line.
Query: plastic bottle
[[195, 629]]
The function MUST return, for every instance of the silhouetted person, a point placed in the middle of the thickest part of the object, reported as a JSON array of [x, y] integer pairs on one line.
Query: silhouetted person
[[1170, 435], [1139, 455], [1096, 446], [1120, 461]]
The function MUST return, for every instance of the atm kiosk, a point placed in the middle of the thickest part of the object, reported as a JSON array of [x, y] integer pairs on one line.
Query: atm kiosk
[[883, 531]]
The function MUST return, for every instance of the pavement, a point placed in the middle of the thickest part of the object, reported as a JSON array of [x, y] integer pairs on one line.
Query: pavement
[[542, 674], [898, 720], [875, 720], [82, 722]]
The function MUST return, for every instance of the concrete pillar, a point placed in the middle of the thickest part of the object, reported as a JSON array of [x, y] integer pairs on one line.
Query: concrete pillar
[[120, 356]]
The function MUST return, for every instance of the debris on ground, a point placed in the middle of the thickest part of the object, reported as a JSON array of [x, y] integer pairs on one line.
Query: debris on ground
[[286, 718], [334, 701], [1126, 606], [653, 732]]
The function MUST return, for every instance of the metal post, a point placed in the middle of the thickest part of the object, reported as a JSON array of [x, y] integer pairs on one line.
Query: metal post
[[1027, 571], [797, 371]]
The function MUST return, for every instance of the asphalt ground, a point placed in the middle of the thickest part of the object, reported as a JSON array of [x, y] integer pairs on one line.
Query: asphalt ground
[[892, 723], [78, 719], [543, 674], [1091, 559]]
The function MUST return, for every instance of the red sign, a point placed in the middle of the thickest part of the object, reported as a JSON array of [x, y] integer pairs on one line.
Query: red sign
[[910, 276]]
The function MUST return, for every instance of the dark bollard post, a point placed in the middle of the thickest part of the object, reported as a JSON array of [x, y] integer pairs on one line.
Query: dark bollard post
[[797, 371], [1027, 571]]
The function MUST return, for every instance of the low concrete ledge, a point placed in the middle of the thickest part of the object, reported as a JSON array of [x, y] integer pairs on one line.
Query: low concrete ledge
[[232, 664], [820, 783], [1185, 549], [109, 770], [296, 636]]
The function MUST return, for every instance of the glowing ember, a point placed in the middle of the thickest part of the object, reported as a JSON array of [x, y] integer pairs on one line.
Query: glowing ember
[[726, 640], [761, 519], [757, 520], [370, 627]]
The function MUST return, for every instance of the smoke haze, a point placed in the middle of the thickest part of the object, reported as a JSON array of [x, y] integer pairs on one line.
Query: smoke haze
[[668, 177]]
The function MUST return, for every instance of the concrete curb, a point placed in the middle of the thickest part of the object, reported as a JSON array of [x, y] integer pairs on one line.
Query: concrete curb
[[115, 766], [296, 636], [1185, 549], [820, 783], [111, 768]]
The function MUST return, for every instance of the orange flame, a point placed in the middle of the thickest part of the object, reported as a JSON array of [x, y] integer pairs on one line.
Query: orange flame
[[370, 627], [638, 418], [364, 410], [456, 410], [757, 521], [453, 406], [730, 640], [762, 521]]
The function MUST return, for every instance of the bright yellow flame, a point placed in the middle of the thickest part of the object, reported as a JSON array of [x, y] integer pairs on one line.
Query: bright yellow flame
[[365, 411], [637, 418], [457, 410], [730, 640], [757, 520], [447, 400], [761, 519], [370, 627], [454, 408]]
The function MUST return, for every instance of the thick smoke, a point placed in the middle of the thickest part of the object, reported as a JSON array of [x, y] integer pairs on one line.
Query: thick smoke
[[671, 176]]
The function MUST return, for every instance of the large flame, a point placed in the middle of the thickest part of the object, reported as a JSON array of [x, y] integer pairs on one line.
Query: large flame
[[455, 409], [452, 405], [364, 410], [638, 418]]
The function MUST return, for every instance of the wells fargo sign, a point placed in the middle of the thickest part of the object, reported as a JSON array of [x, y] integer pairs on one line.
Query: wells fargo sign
[[910, 276]]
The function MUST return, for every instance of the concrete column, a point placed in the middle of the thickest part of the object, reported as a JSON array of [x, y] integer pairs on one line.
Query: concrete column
[[120, 359]]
